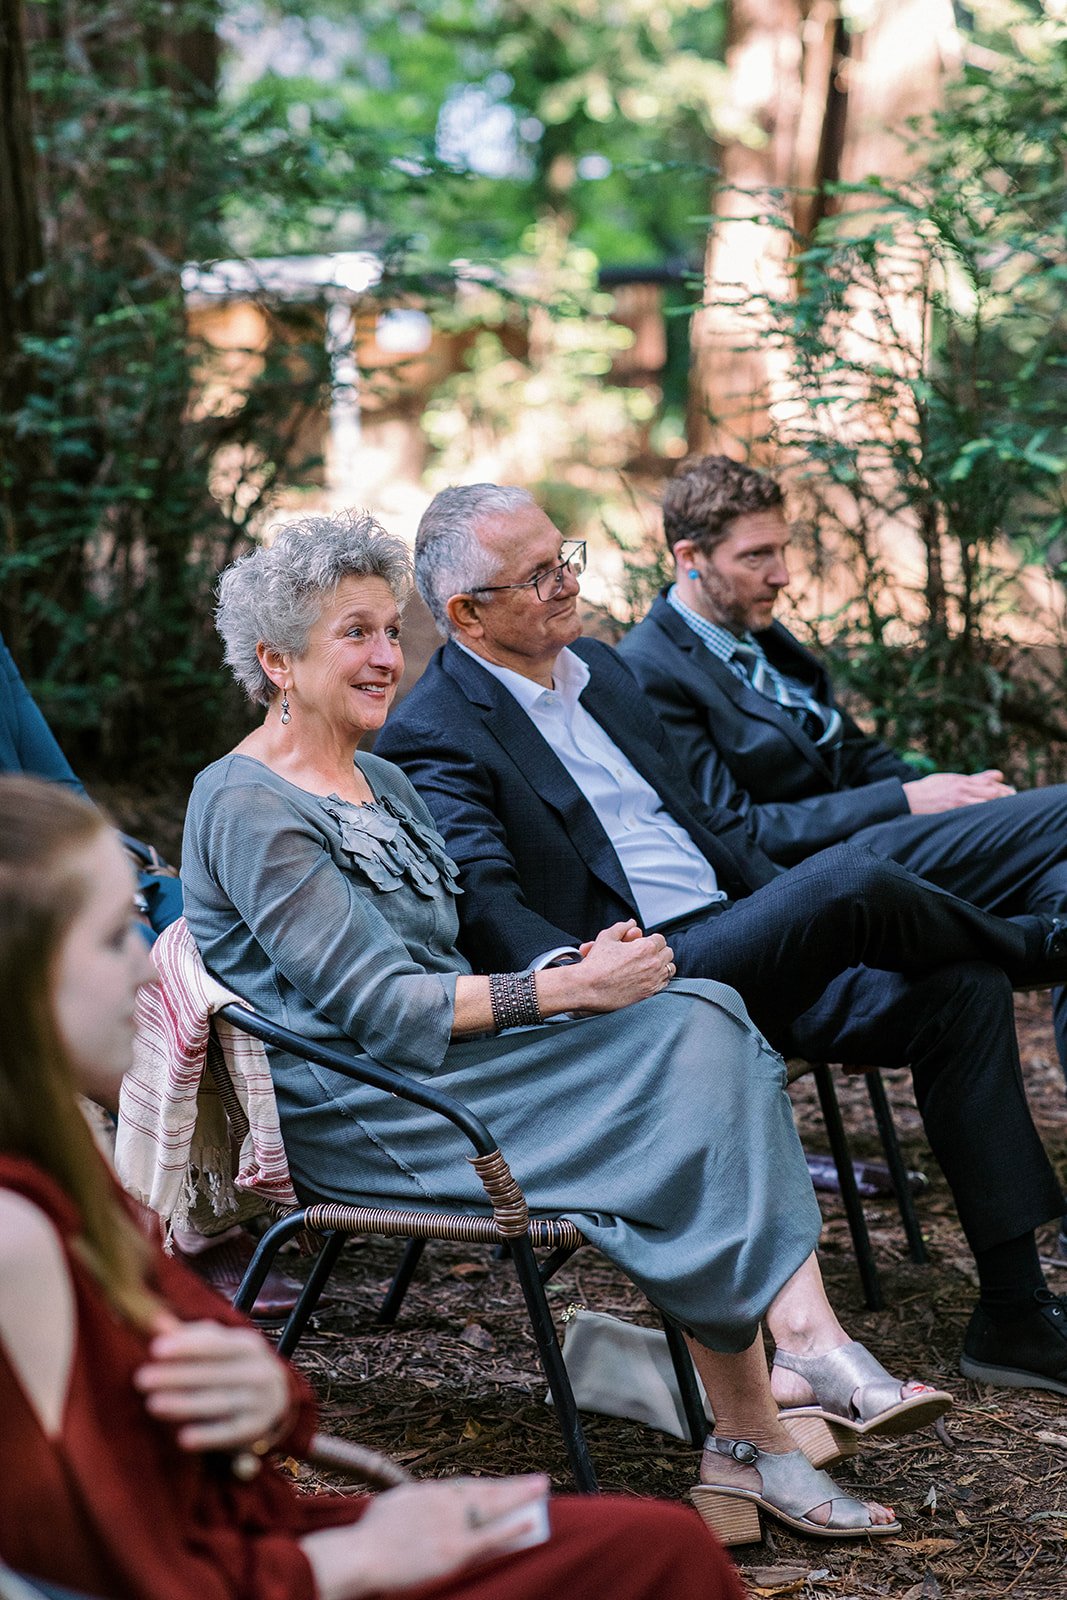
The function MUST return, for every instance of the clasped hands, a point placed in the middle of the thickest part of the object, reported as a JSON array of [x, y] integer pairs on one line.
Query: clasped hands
[[623, 964]]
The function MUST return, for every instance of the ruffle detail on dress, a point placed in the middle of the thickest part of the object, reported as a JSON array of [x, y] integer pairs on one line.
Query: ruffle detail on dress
[[391, 847]]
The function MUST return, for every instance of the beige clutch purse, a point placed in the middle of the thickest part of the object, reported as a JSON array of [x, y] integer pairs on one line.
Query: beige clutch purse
[[622, 1370]]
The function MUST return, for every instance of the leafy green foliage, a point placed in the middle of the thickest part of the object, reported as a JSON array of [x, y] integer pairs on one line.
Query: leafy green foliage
[[924, 341], [135, 457], [535, 389], [493, 112], [138, 457]]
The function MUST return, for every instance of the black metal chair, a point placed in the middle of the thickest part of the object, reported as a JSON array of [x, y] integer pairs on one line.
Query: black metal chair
[[846, 1175], [506, 1223]]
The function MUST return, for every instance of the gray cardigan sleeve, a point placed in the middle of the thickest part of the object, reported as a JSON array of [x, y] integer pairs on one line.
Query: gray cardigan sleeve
[[318, 927]]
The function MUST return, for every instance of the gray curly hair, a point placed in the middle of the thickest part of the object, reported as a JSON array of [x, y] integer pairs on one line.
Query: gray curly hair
[[448, 557], [275, 594]]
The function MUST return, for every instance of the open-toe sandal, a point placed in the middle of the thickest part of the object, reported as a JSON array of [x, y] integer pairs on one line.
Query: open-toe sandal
[[854, 1397], [790, 1489]]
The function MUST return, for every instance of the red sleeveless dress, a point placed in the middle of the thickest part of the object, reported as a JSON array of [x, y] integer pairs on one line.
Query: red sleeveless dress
[[113, 1507]]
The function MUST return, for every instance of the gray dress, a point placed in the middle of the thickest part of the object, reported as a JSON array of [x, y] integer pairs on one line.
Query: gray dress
[[662, 1130]]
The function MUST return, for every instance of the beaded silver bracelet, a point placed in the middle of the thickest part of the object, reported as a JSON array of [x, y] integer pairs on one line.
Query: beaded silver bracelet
[[513, 998]]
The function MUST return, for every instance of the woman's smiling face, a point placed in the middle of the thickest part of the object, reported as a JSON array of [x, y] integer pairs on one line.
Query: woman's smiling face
[[348, 674]]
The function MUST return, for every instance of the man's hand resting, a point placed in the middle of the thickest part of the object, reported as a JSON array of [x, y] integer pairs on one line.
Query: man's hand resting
[[945, 791]]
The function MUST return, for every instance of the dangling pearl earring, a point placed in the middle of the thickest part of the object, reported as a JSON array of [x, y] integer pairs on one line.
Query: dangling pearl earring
[[692, 573], [286, 718]]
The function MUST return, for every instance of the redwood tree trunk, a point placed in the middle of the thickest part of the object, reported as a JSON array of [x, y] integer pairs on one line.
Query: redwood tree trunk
[[824, 104], [100, 501], [21, 273], [21, 252]]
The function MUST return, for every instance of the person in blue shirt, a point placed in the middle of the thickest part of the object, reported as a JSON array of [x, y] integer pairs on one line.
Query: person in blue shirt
[[27, 744]]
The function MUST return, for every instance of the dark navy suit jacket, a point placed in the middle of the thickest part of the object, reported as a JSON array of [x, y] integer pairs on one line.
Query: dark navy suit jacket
[[538, 870], [744, 752]]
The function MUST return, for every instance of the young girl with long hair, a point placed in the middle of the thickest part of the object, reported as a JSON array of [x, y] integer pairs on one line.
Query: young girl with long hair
[[129, 1391]]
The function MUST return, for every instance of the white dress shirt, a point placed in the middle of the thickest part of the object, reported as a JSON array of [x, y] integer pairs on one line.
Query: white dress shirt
[[667, 874]]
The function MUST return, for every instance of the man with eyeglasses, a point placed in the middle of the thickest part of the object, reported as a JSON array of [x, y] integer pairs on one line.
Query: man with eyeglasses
[[557, 790]]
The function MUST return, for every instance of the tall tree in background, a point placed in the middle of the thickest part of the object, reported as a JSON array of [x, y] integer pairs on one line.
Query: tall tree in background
[[21, 249], [21, 264], [97, 493], [540, 140], [418, 131], [912, 358], [818, 98], [114, 524]]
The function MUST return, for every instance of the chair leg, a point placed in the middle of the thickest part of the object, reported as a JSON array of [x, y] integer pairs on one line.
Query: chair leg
[[301, 1313], [898, 1172], [389, 1309], [555, 1260], [559, 1382], [682, 1361], [263, 1256], [846, 1177]]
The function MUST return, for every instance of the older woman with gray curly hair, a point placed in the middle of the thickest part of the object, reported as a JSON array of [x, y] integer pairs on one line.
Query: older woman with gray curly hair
[[651, 1112]]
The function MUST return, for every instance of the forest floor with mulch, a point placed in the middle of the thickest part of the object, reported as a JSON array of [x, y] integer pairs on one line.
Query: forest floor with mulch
[[455, 1385]]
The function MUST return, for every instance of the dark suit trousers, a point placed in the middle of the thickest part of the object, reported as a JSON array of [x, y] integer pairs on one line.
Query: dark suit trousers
[[1007, 856], [803, 952]]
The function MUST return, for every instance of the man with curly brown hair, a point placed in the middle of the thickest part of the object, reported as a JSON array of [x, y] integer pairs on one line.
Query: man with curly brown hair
[[754, 718]]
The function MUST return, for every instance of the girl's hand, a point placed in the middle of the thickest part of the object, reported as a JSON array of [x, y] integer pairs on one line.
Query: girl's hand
[[423, 1531], [223, 1387]]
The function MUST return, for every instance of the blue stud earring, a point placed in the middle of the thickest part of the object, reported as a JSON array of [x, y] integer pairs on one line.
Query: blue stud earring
[[692, 573]]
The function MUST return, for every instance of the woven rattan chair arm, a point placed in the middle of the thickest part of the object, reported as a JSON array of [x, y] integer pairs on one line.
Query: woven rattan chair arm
[[510, 1211], [506, 1198], [393, 1222]]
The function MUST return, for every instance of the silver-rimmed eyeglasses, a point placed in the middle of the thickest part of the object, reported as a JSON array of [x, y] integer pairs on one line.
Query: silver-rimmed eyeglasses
[[547, 585]]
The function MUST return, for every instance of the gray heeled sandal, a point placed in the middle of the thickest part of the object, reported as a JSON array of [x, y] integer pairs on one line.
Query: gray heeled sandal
[[854, 1397], [790, 1488]]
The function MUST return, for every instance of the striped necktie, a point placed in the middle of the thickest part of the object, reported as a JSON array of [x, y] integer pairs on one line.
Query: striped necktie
[[822, 724]]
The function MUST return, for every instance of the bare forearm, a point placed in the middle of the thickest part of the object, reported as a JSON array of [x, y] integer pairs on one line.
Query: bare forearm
[[342, 1565]]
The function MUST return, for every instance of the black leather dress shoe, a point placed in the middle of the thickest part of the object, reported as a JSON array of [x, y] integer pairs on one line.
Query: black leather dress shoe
[[224, 1265], [1029, 1352]]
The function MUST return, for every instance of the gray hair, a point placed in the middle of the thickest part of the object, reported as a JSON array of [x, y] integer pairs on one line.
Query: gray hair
[[275, 595], [448, 557]]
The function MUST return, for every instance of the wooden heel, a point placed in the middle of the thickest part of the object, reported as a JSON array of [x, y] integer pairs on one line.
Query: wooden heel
[[732, 1520], [821, 1442], [847, 1440]]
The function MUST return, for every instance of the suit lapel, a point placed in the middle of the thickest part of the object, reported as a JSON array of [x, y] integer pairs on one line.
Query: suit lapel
[[604, 703], [749, 703], [507, 723]]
